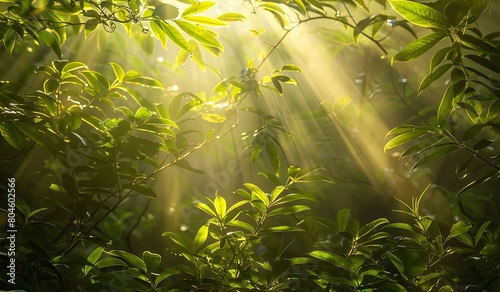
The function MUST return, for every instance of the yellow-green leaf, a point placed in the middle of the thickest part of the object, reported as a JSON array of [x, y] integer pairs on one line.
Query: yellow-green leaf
[[198, 33], [419, 14]]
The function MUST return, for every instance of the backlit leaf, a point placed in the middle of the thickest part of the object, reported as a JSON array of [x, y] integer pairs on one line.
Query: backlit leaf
[[205, 208], [258, 192], [201, 236], [459, 228], [418, 47], [172, 33], [204, 20], [197, 8], [199, 34], [404, 138], [274, 229], [132, 259], [232, 16], [331, 257], [419, 14], [288, 210]]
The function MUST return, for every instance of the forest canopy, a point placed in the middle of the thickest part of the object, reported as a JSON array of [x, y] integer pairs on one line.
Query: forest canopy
[[253, 145]]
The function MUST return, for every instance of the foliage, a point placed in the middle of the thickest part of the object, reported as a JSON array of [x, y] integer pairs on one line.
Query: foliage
[[108, 132]]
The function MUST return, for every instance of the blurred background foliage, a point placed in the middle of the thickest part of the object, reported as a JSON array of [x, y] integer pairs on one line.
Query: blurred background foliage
[[120, 118]]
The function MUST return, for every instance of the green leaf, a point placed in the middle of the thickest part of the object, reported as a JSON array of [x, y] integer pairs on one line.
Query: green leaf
[[341, 103], [405, 138], [140, 188], [479, 45], [241, 224], [151, 260], [492, 175], [342, 218], [258, 192], [277, 11], [419, 14], [110, 262], [187, 166], [487, 63], [232, 16], [446, 288], [119, 73], [127, 112], [477, 8], [95, 255], [180, 240], [493, 110], [329, 224], [372, 225], [433, 76], [13, 136], [480, 232], [96, 80], [172, 33], [397, 263], [205, 208], [458, 228], [36, 135], [330, 257], [274, 229], [481, 144], [165, 274], [9, 40], [50, 39], [440, 152], [213, 118], [197, 8], [73, 66], [144, 81], [455, 11], [204, 20], [446, 105], [362, 4], [132, 259], [142, 113], [159, 33], [301, 5], [237, 205], [90, 26], [276, 192], [362, 24], [201, 236], [220, 206], [274, 157], [418, 47], [439, 57], [70, 260], [404, 226], [288, 210], [166, 11], [199, 34], [472, 132]]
